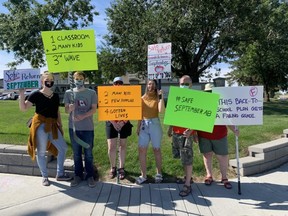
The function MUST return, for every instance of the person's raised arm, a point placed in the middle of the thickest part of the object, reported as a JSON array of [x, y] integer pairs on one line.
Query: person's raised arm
[[23, 105], [161, 104]]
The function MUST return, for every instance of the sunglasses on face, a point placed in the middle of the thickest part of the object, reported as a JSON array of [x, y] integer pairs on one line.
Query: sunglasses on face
[[184, 84], [118, 83]]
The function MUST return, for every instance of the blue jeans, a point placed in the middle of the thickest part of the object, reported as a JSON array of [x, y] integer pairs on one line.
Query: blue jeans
[[88, 137], [60, 144]]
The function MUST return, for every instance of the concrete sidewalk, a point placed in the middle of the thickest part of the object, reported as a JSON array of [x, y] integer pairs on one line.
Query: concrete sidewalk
[[264, 194]]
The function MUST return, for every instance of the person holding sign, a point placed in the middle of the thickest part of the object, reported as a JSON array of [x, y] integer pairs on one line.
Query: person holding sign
[[215, 142], [46, 128], [149, 129], [82, 102], [182, 144], [113, 130]]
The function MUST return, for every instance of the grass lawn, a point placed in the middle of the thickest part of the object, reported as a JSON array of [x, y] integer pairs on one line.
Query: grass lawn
[[13, 130]]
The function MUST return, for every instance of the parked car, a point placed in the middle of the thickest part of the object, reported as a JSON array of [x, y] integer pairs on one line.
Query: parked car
[[13, 95], [4, 96], [27, 93]]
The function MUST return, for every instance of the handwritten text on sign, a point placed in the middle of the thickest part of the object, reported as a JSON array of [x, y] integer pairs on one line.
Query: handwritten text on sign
[[240, 105], [191, 109], [21, 78], [119, 103], [159, 61], [70, 50]]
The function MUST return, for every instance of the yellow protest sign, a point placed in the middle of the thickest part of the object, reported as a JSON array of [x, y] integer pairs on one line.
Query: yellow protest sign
[[119, 103], [70, 50], [191, 109]]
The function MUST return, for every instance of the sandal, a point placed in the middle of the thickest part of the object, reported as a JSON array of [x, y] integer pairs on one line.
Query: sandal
[[140, 180], [158, 178], [121, 173], [185, 191], [208, 180], [226, 183], [113, 172]]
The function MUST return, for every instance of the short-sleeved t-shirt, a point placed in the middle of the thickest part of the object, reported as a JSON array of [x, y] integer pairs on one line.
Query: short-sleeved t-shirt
[[179, 130], [45, 106], [219, 132], [83, 101]]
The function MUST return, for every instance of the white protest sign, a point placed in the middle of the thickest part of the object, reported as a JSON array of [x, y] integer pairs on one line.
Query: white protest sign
[[21, 78], [239, 105], [159, 61]]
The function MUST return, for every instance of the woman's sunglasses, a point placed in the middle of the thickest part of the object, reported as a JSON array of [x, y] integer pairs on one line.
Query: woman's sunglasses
[[118, 83]]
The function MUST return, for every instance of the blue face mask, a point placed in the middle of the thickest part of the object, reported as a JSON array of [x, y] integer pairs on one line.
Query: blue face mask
[[184, 86], [79, 83]]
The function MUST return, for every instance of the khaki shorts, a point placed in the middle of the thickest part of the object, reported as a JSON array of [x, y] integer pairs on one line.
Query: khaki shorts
[[219, 147], [182, 150]]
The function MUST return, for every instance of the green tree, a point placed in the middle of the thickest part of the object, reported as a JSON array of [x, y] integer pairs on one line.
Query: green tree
[[111, 63], [20, 29], [202, 33], [263, 61]]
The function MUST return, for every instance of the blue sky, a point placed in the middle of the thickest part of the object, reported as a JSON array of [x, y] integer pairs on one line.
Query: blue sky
[[99, 25]]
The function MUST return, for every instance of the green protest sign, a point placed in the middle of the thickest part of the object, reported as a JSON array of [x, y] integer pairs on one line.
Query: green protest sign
[[191, 109], [70, 50]]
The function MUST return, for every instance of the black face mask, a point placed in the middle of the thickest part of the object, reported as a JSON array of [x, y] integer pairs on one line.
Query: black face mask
[[48, 84]]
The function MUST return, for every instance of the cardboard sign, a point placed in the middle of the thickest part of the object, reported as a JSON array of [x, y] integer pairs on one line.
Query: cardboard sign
[[159, 61], [119, 103], [21, 78], [239, 105], [191, 109], [70, 50]]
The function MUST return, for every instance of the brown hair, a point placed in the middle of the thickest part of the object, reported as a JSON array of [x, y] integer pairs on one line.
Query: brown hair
[[80, 73], [46, 73]]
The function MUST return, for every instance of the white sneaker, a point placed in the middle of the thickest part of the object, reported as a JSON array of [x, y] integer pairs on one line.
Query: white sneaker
[[45, 181], [158, 178], [140, 180]]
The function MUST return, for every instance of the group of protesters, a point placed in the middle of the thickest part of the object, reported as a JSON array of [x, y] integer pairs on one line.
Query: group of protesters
[[81, 103]]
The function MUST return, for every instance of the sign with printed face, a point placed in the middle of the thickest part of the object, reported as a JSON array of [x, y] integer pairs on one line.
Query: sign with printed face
[[70, 50], [21, 78], [191, 109], [119, 103], [159, 61], [239, 105]]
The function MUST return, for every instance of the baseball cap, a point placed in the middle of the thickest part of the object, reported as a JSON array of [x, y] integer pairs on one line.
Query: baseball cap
[[119, 79], [208, 87]]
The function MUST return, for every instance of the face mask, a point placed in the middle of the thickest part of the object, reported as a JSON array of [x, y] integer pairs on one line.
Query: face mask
[[48, 84], [79, 83], [184, 86]]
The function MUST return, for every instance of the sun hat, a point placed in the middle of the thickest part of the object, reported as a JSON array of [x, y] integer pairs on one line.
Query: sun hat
[[208, 87], [119, 79]]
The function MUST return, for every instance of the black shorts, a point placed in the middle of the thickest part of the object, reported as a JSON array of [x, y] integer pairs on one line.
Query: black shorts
[[125, 131]]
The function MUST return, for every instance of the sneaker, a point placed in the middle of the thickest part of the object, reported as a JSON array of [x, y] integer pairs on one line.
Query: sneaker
[[64, 177], [158, 178], [141, 180], [91, 182], [76, 180], [45, 182]]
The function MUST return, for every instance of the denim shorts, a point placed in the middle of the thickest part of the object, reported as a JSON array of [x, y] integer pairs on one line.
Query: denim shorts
[[182, 149], [219, 147], [150, 130]]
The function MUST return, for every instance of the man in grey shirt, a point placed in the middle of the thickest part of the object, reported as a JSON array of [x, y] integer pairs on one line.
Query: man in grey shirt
[[81, 104]]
